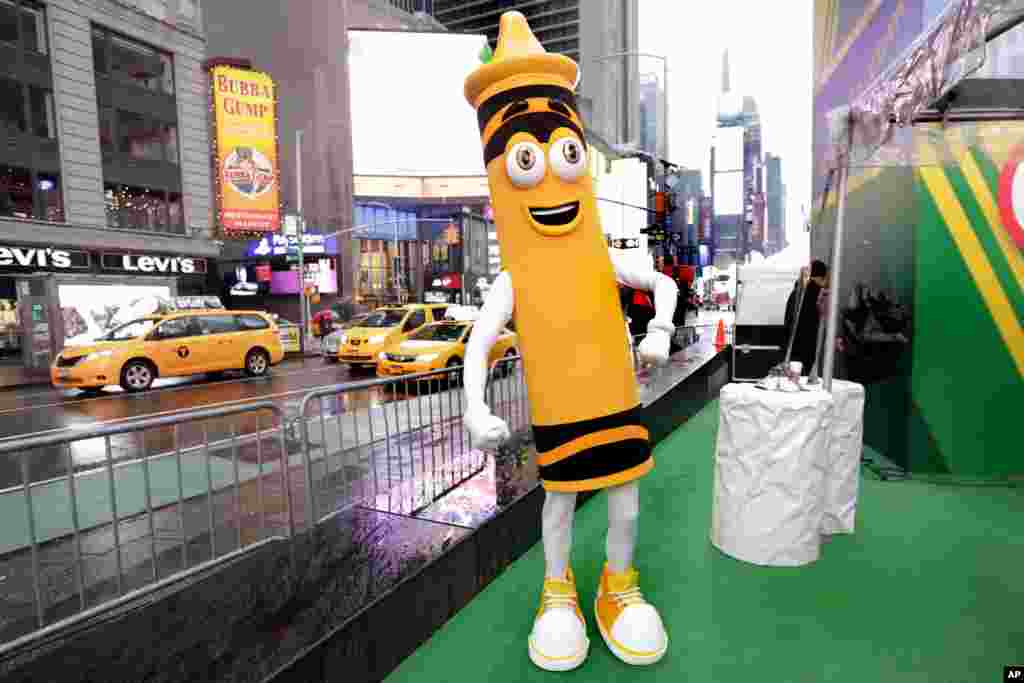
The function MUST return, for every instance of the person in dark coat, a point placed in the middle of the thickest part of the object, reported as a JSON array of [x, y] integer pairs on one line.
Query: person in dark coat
[[808, 320]]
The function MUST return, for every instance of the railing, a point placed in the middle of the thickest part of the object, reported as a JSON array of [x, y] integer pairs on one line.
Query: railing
[[401, 455], [684, 336], [99, 517], [136, 504], [102, 517]]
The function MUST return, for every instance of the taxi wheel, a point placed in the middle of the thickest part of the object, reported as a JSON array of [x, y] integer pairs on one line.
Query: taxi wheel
[[257, 362], [137, 375], [454, 376]]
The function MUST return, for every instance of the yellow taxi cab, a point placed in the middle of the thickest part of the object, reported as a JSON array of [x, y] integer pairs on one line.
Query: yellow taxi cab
[[440, 345], [171, 345], [361, 344]]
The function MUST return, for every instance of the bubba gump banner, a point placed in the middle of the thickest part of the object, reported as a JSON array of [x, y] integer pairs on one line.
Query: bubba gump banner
[[244, 103]]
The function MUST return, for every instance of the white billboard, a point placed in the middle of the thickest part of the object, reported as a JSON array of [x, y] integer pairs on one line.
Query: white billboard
[[409, 116], [729, 149], [728, 194], [90, 311]]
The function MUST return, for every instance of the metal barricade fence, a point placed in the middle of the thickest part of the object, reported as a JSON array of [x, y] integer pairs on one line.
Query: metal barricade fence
[[684, 335], [506, 393], [101, 516], [104, 515], [402, 449]]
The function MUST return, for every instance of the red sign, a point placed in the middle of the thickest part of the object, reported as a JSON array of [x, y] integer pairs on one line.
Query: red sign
[[447, 281], [263, 273], [1011, 196]]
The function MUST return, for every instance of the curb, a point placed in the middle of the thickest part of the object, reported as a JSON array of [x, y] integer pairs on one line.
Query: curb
[[24, 385]]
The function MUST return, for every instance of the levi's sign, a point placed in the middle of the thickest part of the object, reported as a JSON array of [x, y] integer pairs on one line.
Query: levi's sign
[[159, 265], [42, 258]]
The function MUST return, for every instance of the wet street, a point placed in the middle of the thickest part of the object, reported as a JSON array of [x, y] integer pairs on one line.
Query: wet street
[[39, 410], [32, 410]]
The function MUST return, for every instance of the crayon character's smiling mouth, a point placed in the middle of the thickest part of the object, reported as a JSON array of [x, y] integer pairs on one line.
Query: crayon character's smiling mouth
[[555, 220]]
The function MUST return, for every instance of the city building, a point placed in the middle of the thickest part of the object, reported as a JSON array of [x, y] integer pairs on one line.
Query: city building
[[600, 35], [105, 192], [304, 47], [653, 132], [736, 175], [775, 197]]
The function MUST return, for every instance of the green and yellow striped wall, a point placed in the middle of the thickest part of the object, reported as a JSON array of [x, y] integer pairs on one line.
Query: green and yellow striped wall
[[967, 376], [940, 237]]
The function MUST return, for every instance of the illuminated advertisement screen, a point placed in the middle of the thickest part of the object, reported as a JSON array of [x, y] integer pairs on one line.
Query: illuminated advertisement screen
[[409, 117], [90, 311], [322, 273], [245, 148]]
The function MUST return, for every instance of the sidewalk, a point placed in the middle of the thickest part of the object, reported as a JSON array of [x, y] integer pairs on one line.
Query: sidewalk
[[14, 376]]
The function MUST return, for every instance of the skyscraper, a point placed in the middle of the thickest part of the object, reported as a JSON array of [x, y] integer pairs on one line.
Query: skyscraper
[[598, 34], [736, 175], [775, 223], [652, 117]]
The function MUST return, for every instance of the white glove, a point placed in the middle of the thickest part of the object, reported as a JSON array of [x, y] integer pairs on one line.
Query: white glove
[[654, 348], [486, 430]]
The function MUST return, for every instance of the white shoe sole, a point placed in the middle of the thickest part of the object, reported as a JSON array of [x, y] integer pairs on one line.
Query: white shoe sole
[[560, 664], [627, 657]]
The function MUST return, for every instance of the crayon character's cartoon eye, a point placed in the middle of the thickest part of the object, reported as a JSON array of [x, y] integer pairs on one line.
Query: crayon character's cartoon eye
[[568, 159], [524, 163]]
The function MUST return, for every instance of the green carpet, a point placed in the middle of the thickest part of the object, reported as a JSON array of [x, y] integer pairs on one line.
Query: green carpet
[[929, 589]]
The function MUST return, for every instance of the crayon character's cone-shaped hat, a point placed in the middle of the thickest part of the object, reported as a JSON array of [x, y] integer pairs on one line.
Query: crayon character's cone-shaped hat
[[720, 336], [519, 60]]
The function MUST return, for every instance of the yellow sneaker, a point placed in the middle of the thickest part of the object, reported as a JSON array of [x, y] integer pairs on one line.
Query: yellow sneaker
[[559, 639], [630, 626]]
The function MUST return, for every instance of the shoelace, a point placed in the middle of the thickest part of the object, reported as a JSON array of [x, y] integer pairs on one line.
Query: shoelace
[[553, 600], [631, 596]]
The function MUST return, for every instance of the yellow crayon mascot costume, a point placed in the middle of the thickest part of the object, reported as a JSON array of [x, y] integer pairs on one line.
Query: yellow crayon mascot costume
[[560, 287]]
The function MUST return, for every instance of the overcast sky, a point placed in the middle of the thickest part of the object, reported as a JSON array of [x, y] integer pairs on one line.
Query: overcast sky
[[770, 53]]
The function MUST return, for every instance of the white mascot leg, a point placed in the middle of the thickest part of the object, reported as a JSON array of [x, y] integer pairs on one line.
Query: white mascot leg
[[631, 627], [559, 638], [623, 512], [556, 521]]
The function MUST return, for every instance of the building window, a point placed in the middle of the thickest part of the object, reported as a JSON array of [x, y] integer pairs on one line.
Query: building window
[[138, 134], [16, 200], [12, 107], [30, 182], [146, 209], [132, 62], [139, 137], [29, 195], [22, 21]]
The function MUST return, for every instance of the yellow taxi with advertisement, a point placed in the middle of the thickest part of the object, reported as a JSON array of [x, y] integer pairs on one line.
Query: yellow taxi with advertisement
[[361, 344], [171, 345], [441, 345]]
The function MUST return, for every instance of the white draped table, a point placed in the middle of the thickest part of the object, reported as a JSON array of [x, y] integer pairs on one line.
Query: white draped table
[[773, 459], [842, 478]]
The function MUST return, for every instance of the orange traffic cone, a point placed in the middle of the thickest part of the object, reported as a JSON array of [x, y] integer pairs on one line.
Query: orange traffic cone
[[720, 335]]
